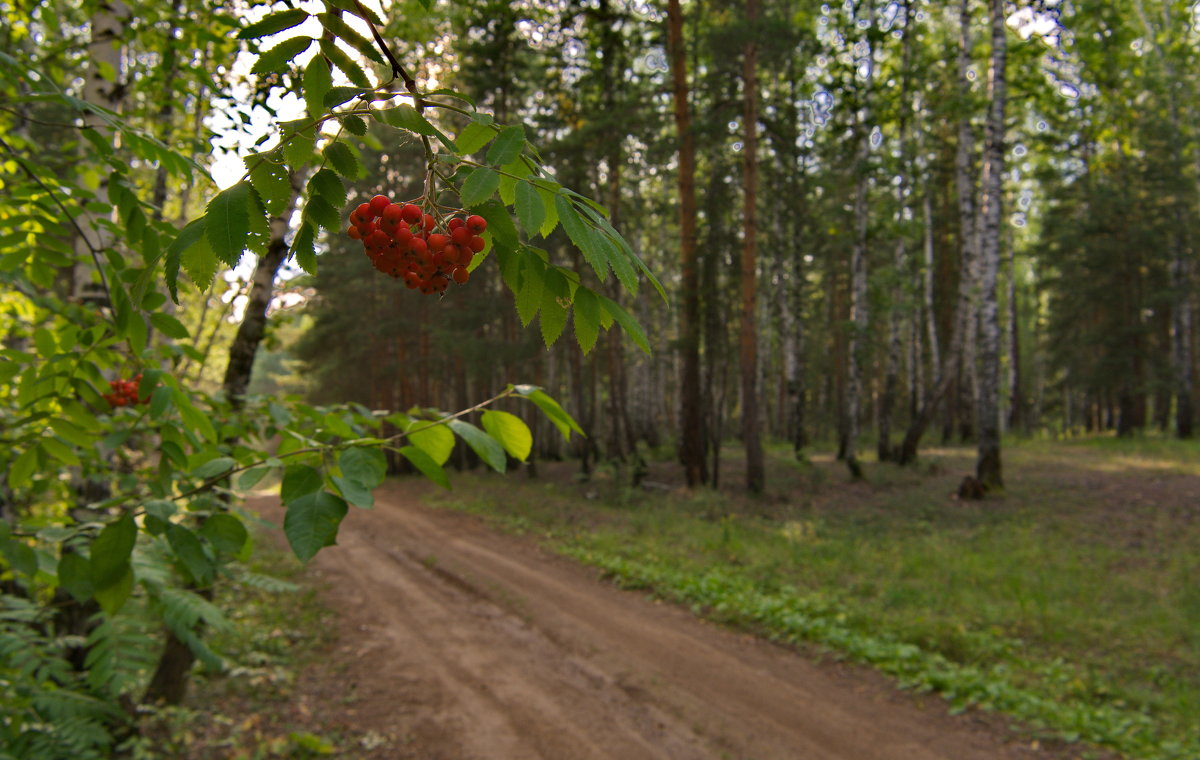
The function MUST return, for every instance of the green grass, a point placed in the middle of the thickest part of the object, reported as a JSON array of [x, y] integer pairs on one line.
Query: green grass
[[1071, 602]]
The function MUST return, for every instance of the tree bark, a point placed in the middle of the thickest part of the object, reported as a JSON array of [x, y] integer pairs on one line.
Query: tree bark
[[751, 435], [858, 275], [692, 438], [988, 470], [899, 305]]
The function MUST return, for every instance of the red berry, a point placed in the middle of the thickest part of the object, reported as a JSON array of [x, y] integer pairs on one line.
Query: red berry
[[364, 212], [476, 224], [455, 223], [430, 223], [461, 235], [419, 247], [378, 204], [410, 213], [393, 213], [437, 241], [354, 233], [476, 244], [453, 252], [461, 275], [377, 239]]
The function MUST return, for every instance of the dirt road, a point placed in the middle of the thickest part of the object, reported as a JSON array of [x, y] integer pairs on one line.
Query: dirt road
[[459, 642]]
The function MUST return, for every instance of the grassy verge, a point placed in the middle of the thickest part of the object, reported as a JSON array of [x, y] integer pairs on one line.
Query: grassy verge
[[1070, 603]]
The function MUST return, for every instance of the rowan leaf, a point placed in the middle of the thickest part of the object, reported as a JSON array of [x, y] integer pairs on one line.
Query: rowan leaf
[[508, 145], [276, 59], [481, 185], [530, 209], [273, 24], [586, 308], [227, 223]]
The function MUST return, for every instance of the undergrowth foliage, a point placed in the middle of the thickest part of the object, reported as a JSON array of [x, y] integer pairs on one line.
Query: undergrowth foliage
[[119, 503]]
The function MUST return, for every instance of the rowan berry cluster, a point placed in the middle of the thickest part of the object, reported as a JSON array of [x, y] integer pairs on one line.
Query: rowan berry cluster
[[124, 392], [404, 242]]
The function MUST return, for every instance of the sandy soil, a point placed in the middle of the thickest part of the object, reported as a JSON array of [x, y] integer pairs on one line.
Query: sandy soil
[[457, 642]]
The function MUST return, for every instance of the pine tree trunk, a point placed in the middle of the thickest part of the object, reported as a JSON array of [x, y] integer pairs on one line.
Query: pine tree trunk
[[748, 353], [692, 438], [988, 468]]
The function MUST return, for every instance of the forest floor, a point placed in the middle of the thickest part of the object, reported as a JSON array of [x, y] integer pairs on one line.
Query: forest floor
[[449, 634]]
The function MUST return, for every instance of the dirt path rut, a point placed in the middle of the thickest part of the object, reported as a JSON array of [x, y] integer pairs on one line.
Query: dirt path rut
[[459, 642]]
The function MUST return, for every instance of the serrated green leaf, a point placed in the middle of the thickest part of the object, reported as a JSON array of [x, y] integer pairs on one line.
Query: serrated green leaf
[[168, 325], [61, 451], [511, 431], [227, 223], [305, 248], [70, 432], [328, 185], [113, 596], [354, 492], [319, 210], [270, 179], [338, 95], [487, 447], [530, 209], [312, 521], [529, 296], [473, 137], [299, 143], [358, 9], [405, 116], [190, 553], [354, 125], [551, 408], [554, 309], [508, 145], [586, 308], [435, 440], [347, 34], [630, 325], [226, 532], [75, 575], [186, 238], [111, 550], [250, 478], [343, 160], [581, 235], [276, 59], [214, 467], [425, 464], [273, 24], [200, 262], [20, 474], [481, 185], [551, 209], [299, 480], [316, 83], [343, 61]]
